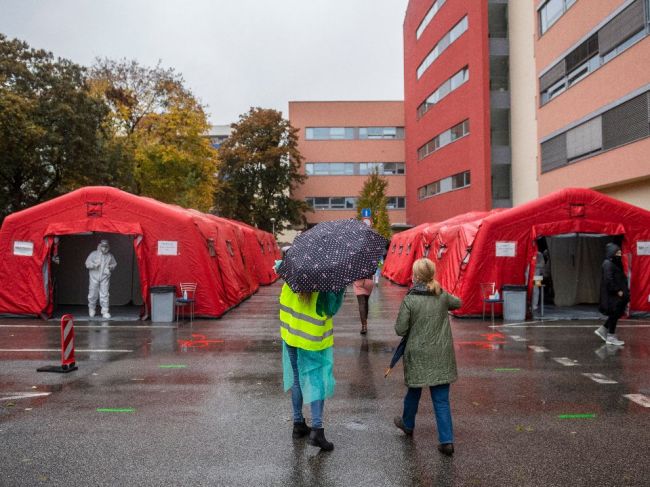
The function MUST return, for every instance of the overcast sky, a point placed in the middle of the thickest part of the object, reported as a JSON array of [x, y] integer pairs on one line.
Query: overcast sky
[[233, 54]]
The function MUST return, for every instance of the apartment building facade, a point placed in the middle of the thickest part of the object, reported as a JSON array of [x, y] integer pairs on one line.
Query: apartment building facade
[[342, 142], [592, 62], [457, 108]]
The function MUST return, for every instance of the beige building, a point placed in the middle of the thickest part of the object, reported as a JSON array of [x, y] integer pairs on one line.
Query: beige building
[[342, 142], [590, 93]]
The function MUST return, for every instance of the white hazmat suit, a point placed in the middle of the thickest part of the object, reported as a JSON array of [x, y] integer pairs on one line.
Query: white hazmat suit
[[100, 263]]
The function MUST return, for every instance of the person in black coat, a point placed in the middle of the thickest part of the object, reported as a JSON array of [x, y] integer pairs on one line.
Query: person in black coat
[[614, 293]]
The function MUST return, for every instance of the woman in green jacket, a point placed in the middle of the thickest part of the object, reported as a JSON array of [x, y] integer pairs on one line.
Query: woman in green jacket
[[429, 359]]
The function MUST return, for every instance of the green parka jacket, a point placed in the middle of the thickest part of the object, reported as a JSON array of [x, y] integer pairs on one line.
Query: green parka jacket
[[429, 357]]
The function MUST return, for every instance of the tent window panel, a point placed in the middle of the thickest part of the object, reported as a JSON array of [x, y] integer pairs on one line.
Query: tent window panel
[[230, 248], [211, 249], [626, 123], [585, 139]]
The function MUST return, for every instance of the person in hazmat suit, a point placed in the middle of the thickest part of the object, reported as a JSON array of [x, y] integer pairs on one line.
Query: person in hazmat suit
[[100, 264]]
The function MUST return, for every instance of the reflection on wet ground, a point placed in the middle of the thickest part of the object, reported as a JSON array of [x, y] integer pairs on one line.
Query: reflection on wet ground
[[540, 404]]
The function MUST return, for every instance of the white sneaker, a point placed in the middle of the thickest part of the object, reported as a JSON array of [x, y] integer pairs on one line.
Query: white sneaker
[[612, 340], [106, 316], [602, 333], [91, 312]]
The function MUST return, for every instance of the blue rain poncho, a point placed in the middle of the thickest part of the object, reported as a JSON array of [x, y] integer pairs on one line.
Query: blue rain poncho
[[315, 368]]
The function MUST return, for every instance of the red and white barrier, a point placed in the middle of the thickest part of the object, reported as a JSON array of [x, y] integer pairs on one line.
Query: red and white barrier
[[67, 348]]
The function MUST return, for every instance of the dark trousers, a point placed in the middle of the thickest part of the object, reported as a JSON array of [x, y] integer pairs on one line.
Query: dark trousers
[[362, 299], [617, 312]]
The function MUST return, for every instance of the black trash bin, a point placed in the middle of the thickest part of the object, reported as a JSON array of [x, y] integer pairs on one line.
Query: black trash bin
[[162, 303], [514, 302]]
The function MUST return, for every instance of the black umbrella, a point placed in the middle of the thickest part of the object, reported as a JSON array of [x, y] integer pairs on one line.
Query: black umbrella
[[331, 255], [399, 351]]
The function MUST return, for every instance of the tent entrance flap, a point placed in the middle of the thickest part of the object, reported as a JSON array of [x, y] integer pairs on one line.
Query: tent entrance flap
[[70, 276], [573, 273]]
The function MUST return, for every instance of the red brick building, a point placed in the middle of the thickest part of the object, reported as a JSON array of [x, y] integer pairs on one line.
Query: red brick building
[[342, 142]]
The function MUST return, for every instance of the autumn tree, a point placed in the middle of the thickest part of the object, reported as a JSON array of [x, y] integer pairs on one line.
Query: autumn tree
[[258, 171], [373, 196], [158, 133], [51, 132]]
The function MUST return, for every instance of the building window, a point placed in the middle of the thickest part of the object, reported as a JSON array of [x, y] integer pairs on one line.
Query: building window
[[354, 168], [443, 139], [617, 35], [448, 39], [395, 203], [627, 122], [443, 90], [352, 133], [375, 133], [329, 133], [332, 202], [450, 183], [551, 11], [437, 5]]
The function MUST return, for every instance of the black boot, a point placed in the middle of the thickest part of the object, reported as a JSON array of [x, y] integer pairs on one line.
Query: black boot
[[317, 438], [446, 449], [300, 429]]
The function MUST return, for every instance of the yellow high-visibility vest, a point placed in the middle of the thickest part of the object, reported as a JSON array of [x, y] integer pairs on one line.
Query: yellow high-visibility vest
[[300, 325]]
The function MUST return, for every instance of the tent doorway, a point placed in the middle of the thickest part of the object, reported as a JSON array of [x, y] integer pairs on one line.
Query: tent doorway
[[572, 273], [70, 276]]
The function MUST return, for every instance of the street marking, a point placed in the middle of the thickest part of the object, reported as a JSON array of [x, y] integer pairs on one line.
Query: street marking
[[59, 350], [115, 410], [576, 416], [527, 325], [507, 369], [538, 349], [640, 399], [566, 361], [98, 327], [517, 338], [173, 366], [600, 378], [23, 395]]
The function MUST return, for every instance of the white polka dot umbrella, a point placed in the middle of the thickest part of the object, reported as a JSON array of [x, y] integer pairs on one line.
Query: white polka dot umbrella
[[331, 255]]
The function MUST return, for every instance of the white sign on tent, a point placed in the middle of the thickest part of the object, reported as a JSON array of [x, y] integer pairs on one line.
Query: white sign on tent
[[167, 247], [23, 248], [506, 249], [642, 248]]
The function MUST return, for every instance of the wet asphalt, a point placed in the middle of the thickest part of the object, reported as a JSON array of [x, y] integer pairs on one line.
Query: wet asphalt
[[205, 406]]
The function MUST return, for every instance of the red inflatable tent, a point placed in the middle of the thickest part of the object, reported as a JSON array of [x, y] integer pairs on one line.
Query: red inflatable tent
[[576, 223], [501, 246], [169, 245]]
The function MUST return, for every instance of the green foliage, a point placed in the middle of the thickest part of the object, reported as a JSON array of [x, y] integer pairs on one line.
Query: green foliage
[[51, 132], [158, 131], [258, 169], [373, 196]]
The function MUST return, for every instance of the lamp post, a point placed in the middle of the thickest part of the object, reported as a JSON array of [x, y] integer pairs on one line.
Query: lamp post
[[273, 224]]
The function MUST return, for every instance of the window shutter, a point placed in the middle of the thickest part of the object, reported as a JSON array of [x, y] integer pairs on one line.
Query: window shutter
[[554, 153], [552, 75], [628, 22], [585, 138], [626, 123], [581, 53]]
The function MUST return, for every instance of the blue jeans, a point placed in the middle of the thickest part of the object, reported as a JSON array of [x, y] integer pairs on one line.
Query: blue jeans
[[296, 394], [440, 399]]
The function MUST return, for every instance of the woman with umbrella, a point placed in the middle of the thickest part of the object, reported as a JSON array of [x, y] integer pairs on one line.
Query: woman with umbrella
[[429, 359], [317, 268]]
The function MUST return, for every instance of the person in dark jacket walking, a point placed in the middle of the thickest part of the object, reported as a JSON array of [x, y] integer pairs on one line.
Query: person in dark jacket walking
[[614, 294], [429, 359]]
